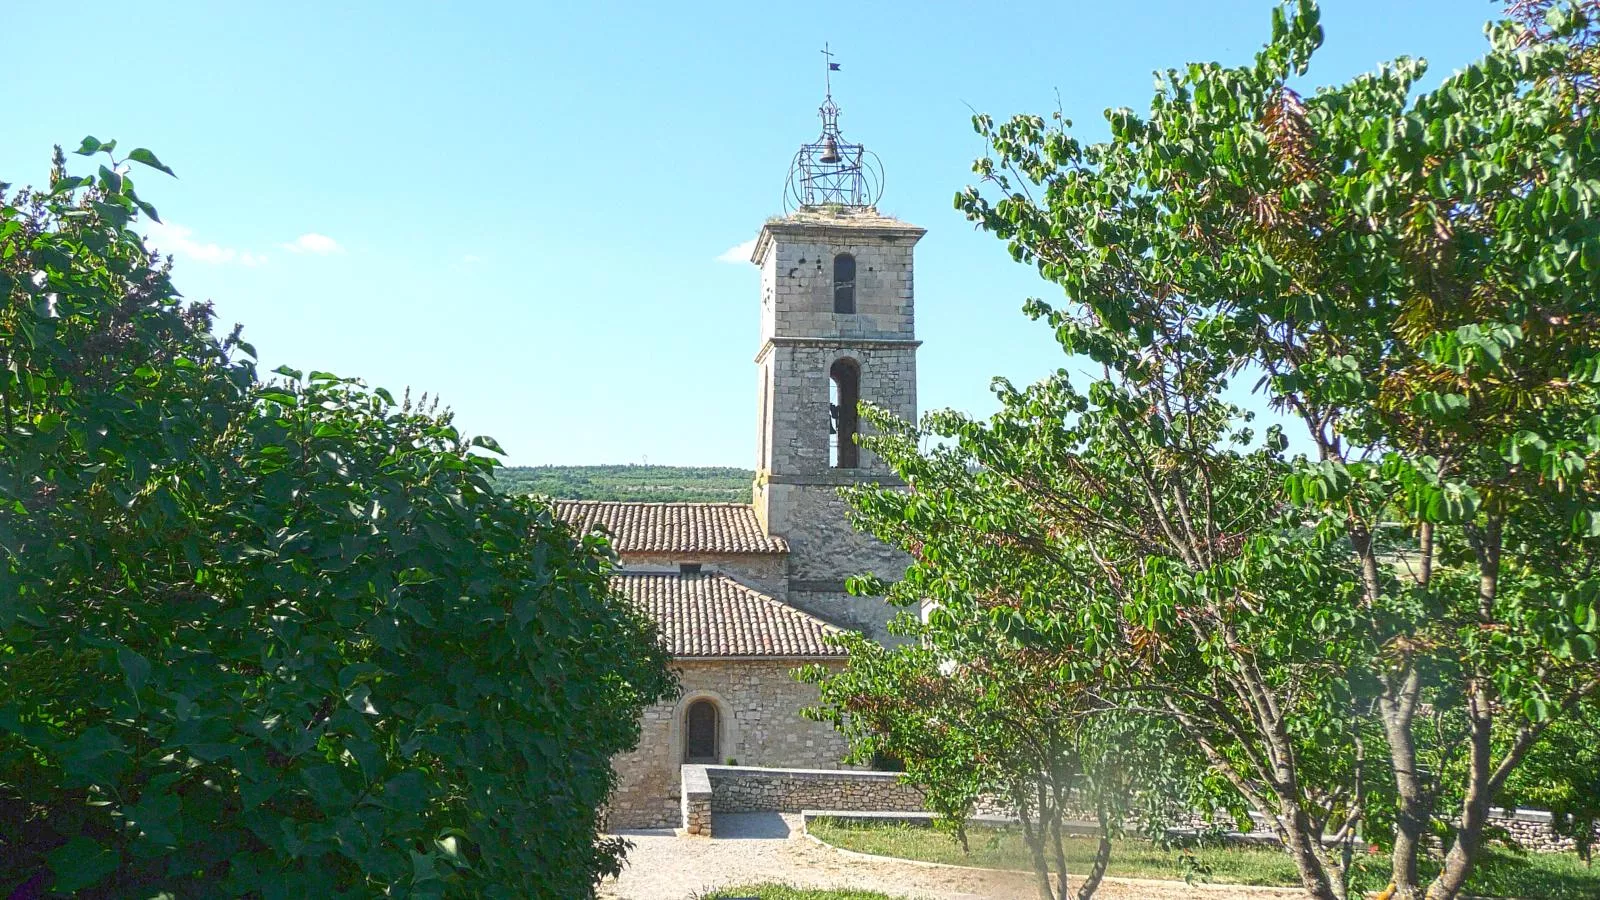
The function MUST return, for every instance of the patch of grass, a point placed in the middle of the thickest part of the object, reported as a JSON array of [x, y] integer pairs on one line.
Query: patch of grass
[[785, 892], [1003, 848], [1557, 876], [1499, 873]]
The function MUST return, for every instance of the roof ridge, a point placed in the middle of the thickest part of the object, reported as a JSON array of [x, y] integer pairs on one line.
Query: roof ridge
[[674, 526]]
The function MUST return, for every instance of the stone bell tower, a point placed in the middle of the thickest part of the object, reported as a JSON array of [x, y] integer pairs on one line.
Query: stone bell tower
[[837, 328]]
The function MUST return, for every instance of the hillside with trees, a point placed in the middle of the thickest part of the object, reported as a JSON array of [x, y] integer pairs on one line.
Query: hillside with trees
[[629, 482]]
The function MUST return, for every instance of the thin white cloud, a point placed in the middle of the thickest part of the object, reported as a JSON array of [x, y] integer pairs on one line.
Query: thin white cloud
[[472, 258], [739, 253], [179, 241], [313, 243]]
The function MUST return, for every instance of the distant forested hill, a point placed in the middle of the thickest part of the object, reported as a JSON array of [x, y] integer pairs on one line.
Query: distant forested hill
[[653, 483]]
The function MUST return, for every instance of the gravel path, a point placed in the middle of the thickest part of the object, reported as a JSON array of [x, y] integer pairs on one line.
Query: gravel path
[[759, 847]]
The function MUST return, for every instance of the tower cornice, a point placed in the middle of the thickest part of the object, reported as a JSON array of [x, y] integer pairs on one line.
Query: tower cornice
[[852, 342], [845, 224]]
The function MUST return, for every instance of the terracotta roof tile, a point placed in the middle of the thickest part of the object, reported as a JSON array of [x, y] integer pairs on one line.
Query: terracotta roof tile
[[673, 527], [710, 615]]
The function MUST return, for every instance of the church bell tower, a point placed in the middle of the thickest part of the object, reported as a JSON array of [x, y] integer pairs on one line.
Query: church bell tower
[[837, 329]]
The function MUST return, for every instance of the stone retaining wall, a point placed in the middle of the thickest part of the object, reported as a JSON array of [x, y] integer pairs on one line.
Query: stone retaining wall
[[738, 789], [1533, 829], [708, 790], [752, 789]]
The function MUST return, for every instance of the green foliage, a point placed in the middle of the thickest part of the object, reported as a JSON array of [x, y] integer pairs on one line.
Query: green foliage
[[654, 484], [1005, 688], [1562, 775], [1412, 275], [275, 638], [1093, 564]]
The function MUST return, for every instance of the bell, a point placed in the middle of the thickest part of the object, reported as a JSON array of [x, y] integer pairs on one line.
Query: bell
[[830, 150]]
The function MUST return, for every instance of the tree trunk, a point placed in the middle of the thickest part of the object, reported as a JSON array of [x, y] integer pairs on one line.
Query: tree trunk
[[1480, 715], [1102, 854], [1475, 807], [1035, 839], [1060, 850], [1282, 804], [1296, 829], [1412, 807]]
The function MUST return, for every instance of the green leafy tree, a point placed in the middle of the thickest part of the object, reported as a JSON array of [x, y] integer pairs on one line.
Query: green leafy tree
[[1009, 726], [276, 639], [1413, 276], [1109, 569], [1575, 25], [979, 704]]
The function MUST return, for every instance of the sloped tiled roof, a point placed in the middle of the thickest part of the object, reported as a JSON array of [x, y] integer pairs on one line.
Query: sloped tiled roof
[[710, 615], [673, 527]]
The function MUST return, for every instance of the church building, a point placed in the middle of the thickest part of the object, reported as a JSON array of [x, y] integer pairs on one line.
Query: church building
[[746, 593]]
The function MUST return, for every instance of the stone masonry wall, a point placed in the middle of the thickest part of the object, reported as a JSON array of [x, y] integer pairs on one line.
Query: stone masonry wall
[[795, 440], [739, 789], [736, 789], [1532, 829], [797, 283], [824, 551], [759, 704]]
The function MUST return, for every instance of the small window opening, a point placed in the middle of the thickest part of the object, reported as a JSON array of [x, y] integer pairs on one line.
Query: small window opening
[[701, 738], [844, 390], [844, 283], [688, 568]]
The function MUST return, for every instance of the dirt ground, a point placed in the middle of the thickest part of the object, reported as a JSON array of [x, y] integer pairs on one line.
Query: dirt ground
[[758, 847]]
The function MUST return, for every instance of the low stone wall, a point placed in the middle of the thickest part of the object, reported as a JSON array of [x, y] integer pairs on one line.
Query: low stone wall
[[1534, 830], [752, 789], [694, 801], [708, 790], [740, 789], [1531, 829]]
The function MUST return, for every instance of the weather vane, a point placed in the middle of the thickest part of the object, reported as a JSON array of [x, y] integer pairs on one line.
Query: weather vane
[[831, 171]]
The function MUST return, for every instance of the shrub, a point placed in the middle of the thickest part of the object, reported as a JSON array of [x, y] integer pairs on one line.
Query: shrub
[[276, 639]]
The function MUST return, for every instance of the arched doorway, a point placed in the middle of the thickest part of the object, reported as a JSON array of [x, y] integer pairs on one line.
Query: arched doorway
[[702, 733]]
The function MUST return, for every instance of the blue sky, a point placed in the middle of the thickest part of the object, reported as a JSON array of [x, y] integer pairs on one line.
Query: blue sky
[[520, 207]]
